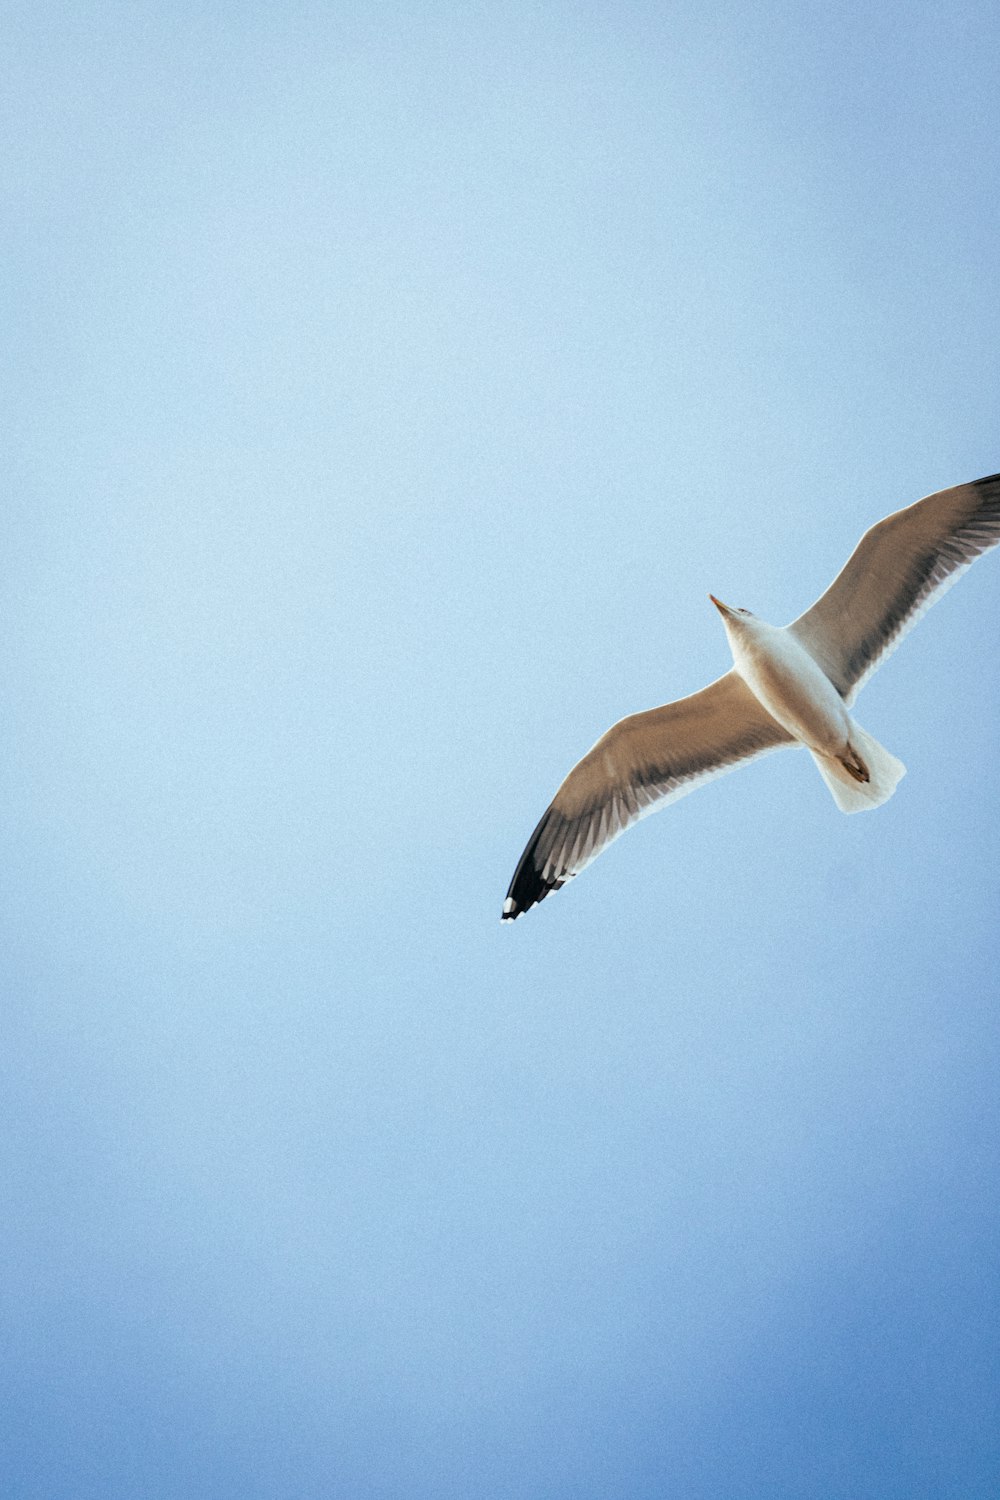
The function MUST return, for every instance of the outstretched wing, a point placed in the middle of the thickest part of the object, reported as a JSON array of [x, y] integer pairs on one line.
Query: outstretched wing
[[897, 571], [641, 764]]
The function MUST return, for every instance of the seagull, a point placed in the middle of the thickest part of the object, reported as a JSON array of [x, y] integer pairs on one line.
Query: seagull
[[788, 685]]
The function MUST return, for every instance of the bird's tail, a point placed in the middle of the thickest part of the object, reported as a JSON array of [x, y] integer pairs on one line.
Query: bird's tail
[[865, 777]]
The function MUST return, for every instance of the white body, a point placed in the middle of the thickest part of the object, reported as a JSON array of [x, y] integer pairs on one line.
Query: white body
[[792, 686]]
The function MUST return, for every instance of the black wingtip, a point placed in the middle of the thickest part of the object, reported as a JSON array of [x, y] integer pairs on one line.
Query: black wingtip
[[530, 885], [513, 909]]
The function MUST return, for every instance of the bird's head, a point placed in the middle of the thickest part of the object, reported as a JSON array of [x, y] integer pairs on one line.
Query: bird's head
[[730, 614], [741, 625]]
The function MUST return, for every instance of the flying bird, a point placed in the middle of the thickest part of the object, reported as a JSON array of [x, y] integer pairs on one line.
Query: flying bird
[[788, 685]]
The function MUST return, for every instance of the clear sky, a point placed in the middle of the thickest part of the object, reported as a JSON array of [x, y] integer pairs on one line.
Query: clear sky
[[386, 386]]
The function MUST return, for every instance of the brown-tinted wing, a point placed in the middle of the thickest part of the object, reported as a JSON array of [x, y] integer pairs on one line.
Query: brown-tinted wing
[[641, 764], [897, 571]]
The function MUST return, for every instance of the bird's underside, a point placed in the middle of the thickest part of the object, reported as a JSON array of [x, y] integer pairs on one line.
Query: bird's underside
[[774, 696]]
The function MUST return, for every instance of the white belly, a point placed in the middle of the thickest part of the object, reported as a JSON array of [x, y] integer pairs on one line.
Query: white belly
[[794, 689]]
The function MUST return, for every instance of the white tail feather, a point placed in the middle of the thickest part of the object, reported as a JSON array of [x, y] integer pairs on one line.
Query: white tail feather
[[884, 770]]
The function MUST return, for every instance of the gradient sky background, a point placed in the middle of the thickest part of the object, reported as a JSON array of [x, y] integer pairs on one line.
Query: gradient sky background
[[386, 387]]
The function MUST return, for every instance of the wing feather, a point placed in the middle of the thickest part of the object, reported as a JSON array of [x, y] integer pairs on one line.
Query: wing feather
[[897, 571], [642, 763]]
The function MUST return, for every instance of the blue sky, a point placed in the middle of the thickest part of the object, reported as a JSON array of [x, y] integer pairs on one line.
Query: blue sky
[[386, 388]]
